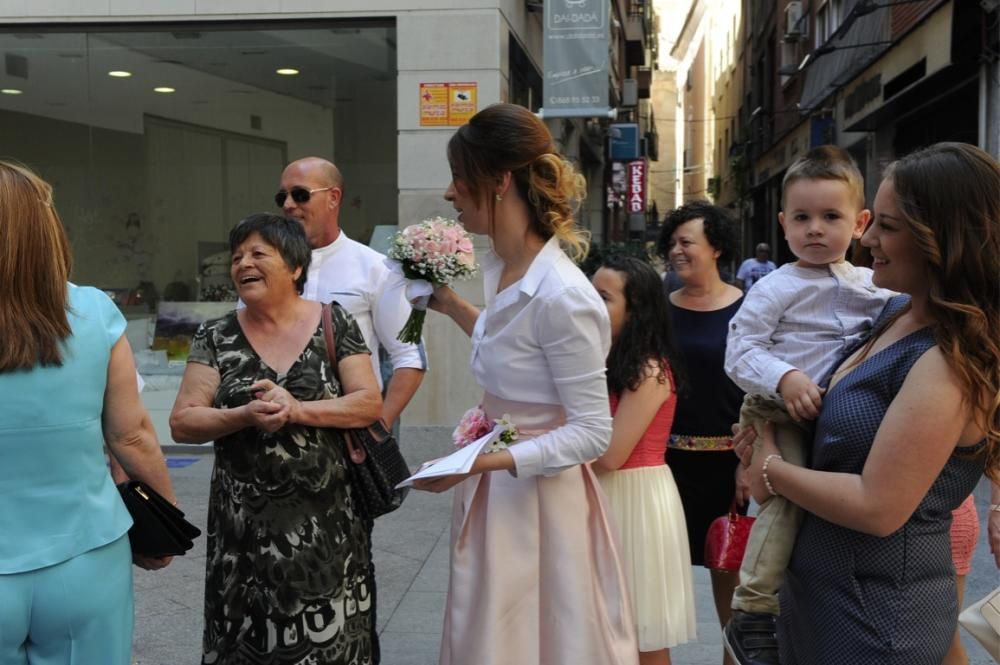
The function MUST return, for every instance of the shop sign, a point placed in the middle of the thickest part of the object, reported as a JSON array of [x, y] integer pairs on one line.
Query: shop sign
[[576, 59], [637, 186], [447, 104], [624, 141]]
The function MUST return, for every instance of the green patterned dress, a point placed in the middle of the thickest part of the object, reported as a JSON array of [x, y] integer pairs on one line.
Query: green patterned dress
[[287, 561]]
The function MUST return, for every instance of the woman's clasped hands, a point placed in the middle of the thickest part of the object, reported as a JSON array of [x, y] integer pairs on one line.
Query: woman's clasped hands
[[272, 406]]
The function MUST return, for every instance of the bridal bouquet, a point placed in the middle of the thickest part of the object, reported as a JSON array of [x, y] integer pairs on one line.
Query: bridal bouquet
[[475, 425], [435, 252]]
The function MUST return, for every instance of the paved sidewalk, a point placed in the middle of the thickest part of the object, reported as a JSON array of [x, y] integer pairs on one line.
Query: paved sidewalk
[[411, 558]]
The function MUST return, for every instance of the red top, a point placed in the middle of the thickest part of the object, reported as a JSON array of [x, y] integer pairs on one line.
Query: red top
[[652, 447]]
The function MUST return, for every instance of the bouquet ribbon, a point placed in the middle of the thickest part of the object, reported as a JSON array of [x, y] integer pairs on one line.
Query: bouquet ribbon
[[418, 293]]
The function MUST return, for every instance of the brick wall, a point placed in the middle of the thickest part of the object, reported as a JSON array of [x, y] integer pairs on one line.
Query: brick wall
[[906, 16]]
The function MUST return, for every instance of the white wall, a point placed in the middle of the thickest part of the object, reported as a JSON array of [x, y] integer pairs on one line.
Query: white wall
[[466, 49]]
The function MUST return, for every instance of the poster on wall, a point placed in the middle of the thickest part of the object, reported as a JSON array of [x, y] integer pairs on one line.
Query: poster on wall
[[176, 323], [447, 104]]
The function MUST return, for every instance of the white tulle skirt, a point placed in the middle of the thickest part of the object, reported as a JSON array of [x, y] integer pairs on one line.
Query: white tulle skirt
[[654, 550]]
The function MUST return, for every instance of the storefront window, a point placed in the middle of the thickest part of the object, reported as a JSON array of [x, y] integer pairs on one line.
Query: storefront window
[[157, 140]]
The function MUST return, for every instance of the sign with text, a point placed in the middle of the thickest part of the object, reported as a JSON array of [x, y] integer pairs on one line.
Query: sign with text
[[444, 104], [637, 187], [576, 59], [624, 141]]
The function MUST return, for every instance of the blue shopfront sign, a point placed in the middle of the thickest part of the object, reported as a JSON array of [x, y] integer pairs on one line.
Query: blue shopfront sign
[[624, 141]]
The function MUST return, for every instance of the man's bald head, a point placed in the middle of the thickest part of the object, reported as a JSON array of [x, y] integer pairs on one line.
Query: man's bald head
[[320, 212], [322, 170]]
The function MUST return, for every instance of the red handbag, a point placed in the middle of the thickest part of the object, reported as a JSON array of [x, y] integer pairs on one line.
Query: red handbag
[[726, 540]]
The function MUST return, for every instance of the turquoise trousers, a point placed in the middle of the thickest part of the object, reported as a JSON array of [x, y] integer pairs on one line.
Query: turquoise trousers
[[78, 612]]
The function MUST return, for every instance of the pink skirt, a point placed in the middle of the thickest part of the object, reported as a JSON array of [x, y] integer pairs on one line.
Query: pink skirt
[[964, 535], [536, 570]]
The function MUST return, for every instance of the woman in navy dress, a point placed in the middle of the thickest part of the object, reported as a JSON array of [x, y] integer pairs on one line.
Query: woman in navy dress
[[696, 239], [909, 424]]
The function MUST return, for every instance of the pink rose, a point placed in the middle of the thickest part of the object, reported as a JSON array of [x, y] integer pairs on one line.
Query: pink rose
[[467, 259], [473, 425]]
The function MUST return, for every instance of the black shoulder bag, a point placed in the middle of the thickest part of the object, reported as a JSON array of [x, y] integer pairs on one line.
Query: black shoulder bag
[[376, 464]]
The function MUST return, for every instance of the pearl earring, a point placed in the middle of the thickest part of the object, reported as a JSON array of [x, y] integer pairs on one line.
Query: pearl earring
[[499, 198]]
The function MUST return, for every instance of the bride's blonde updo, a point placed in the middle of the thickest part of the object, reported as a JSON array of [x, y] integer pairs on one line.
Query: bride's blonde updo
[[507, 137]]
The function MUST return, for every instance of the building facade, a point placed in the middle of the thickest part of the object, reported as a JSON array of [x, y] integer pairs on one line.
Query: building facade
[[161, 123], [877, 77]]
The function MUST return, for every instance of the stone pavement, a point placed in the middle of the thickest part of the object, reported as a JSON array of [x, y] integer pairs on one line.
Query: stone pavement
[[411, 555]]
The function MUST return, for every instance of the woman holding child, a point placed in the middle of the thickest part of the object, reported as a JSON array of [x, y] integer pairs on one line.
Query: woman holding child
[[909, 422]]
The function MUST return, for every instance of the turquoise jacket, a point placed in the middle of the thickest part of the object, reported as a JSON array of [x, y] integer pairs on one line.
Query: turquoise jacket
[[57, 499]]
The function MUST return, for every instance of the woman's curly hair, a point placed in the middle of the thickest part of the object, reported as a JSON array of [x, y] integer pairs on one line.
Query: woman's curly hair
[[647, 338], [948, 196]]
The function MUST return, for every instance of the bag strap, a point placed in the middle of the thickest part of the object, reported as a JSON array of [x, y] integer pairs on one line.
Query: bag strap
[[331, 340], [354, 452]]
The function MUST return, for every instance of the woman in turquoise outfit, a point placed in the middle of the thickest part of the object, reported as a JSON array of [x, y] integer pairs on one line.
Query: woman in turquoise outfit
[[910, 421], [69, 387]]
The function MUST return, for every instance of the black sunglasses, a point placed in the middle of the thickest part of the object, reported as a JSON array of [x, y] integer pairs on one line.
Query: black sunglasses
[[299, 195]]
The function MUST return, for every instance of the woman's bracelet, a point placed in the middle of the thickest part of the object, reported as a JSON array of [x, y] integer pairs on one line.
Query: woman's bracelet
[[995, 507], [763, 472]]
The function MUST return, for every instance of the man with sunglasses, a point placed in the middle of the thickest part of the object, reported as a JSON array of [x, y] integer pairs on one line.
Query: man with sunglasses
[[352, 274], [355, 276]]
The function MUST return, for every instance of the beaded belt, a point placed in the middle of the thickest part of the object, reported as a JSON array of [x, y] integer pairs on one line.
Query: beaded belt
[[700, 443]]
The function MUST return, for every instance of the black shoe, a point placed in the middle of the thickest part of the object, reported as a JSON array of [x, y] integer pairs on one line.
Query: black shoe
[[750, 638]]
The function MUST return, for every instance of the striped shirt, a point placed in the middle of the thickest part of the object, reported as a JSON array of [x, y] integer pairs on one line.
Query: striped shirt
[[800, 318]]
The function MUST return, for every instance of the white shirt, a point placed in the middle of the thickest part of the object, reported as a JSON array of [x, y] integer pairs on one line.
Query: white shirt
[[800, 318], [356, 277], [543, 340]]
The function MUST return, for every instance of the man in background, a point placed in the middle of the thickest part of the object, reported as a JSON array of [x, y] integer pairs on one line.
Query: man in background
[[755, 267]]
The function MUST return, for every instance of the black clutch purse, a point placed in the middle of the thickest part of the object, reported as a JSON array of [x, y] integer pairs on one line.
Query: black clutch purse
[[376, 465], [158, 527]]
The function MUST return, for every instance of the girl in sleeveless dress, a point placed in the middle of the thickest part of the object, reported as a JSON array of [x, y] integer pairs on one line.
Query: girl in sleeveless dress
[[536, 572], [642, 384]]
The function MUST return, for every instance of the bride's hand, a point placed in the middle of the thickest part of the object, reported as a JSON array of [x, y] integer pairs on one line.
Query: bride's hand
[[439, 484], [442, 299]]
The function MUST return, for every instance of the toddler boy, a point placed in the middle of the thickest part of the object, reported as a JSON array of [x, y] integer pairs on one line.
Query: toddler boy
[[792, 327]]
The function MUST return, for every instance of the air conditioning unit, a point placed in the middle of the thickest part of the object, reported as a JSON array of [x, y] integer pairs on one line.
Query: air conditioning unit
[[793, 21], [630, 92]]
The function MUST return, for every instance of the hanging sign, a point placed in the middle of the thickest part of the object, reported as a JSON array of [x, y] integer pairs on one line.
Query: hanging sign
[[576, 59], [637, 187]]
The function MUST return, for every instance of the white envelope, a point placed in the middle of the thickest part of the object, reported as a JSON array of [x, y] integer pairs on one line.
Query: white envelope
[[459, 461]]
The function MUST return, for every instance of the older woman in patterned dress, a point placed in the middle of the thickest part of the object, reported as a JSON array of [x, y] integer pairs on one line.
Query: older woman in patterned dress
[[287, 561]]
